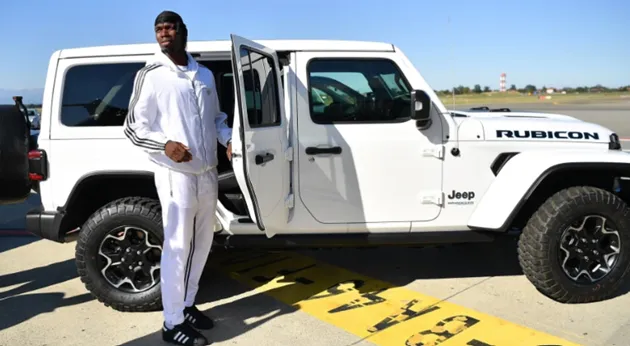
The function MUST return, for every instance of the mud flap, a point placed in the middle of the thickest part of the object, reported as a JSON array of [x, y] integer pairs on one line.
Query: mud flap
[[15, 143]]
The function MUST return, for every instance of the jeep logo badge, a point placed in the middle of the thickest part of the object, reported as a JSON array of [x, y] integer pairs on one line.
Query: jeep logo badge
[[461, 198]]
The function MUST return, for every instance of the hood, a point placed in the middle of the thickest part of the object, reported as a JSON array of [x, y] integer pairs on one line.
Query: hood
[[159, 58], [508, 114], [527, 126]]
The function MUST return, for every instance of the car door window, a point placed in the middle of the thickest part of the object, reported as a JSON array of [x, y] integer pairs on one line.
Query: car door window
[[357, 91]]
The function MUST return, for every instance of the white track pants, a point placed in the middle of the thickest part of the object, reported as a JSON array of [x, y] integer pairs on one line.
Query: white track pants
[[188, 213]]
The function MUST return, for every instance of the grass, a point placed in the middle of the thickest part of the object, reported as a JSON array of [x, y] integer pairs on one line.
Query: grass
[[510, 98]]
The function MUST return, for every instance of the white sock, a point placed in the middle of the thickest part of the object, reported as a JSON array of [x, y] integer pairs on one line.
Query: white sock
[[168, 325]]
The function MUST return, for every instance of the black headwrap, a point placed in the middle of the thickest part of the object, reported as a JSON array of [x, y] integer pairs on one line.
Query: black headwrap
[[176, 19]]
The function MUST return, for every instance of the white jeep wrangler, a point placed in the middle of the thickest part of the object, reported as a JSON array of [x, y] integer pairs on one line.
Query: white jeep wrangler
[[335, 144]]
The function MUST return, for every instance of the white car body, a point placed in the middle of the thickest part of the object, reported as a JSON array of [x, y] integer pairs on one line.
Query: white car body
[[389, 178], [336, 194]]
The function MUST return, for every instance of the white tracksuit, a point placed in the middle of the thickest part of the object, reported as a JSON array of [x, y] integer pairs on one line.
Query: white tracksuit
[[171, 102]]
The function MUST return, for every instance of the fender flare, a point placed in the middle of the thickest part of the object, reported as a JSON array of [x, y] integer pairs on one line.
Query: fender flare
[[521, 176], [55, 225], [89, 177]]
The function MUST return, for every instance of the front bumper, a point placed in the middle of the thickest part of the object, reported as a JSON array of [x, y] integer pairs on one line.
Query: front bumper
[[45, 224]]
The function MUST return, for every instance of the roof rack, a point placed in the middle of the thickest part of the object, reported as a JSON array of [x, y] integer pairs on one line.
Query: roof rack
[[487, 109]]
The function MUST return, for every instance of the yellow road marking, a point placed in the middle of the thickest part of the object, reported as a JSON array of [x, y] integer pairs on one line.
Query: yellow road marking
[[372, 309]]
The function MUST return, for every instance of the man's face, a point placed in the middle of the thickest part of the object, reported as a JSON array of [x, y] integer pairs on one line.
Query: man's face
[[166, 36]]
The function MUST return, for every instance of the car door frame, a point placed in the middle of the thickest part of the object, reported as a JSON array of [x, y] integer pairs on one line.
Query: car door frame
[[431, 197], [241, 149]]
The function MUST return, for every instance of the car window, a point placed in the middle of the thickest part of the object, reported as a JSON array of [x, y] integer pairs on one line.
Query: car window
[[357, 91], [255, 96], [261, 93], [98, 95]]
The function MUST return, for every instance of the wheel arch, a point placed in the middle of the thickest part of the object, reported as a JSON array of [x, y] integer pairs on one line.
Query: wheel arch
[[96, 189], [523, 185]]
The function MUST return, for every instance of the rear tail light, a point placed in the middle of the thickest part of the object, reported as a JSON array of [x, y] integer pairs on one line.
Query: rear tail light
[[37, 165], [35, 155], [35, 177]]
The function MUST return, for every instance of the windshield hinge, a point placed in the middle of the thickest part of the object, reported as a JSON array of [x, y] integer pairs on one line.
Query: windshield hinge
[[436, 151]]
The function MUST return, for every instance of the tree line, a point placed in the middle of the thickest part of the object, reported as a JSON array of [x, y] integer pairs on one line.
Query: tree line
[[531, 89]]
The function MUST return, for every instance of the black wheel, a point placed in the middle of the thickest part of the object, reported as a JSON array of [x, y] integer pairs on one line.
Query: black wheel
[[576, 247], [118, 254]]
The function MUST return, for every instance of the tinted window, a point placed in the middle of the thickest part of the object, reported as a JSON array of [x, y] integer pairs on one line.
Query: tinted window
[[225, 86], [226, 93], [98, 95], [357, 90], [261, 93]]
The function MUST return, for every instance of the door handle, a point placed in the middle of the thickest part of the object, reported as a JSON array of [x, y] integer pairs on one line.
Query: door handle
[[330, 150], [260, 159]]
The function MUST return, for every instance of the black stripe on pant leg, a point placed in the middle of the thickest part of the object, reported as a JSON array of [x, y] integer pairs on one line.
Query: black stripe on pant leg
[[190, 257]]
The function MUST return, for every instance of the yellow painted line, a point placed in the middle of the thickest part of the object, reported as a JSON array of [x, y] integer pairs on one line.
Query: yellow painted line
[[372, 309]]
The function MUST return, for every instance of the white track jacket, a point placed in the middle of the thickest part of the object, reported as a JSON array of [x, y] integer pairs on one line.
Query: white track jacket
[[167, 104]]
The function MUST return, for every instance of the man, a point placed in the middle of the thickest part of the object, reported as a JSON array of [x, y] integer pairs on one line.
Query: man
[[174, 116]]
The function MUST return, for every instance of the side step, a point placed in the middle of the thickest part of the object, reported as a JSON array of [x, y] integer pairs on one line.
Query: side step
[[310, 241], [234, 202]]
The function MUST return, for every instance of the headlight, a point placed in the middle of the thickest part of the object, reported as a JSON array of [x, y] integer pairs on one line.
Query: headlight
[[614, 143]]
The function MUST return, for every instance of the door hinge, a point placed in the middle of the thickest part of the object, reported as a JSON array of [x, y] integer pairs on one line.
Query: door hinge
[[288, 154], [289, 202], [437, 151], [436, 199]]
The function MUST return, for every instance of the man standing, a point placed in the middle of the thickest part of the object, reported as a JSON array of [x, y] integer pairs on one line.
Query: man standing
[[174, 116]]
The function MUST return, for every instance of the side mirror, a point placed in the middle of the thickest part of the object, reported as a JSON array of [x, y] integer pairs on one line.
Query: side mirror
[[421, 108]]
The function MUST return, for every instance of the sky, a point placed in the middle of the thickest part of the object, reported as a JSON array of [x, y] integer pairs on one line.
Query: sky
[[456, 42]]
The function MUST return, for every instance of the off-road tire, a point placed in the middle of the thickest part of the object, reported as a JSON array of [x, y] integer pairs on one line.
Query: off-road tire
[[538, 245], [138, 211]]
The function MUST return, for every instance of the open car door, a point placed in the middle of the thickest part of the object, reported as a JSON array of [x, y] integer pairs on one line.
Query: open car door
[[259, 140]]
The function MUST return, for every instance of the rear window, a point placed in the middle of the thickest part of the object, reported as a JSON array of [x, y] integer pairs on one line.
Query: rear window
[[98, 95]]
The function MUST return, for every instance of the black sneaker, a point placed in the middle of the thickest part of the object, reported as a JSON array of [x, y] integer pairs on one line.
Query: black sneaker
[[183, 334], [197, 319]]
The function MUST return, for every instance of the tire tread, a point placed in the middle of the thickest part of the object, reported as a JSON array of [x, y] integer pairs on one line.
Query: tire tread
[[136, 206], [534, 242]]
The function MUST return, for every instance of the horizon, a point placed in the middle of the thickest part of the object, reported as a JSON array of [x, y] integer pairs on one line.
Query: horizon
[[557, 44]]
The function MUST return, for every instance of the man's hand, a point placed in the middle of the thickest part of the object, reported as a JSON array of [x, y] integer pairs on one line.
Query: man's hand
[[178, 152], [229, 151]]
